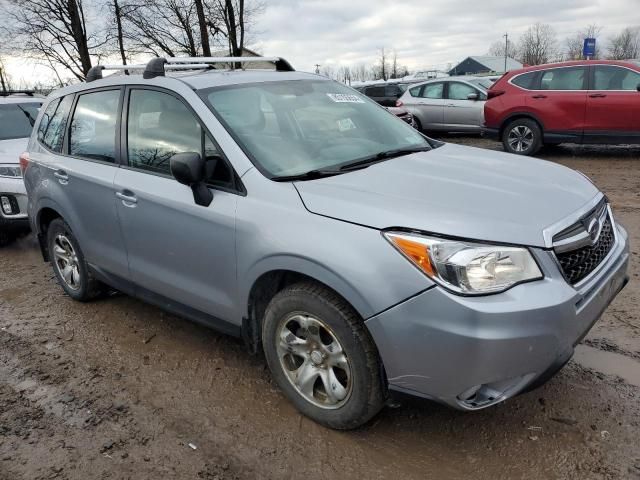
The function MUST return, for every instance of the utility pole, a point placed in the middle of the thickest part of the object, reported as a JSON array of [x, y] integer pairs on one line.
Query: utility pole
[[506, 50], [317, 68]]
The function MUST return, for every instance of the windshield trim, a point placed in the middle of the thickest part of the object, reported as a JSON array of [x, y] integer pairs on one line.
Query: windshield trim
[[203, 93]]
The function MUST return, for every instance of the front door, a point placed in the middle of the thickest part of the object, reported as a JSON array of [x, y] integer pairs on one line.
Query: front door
[[613, 102], [176, 249], [460, 112]]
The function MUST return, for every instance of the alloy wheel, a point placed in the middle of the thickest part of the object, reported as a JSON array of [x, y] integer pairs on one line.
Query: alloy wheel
[[314, 361], [520, 138], [66, 262]]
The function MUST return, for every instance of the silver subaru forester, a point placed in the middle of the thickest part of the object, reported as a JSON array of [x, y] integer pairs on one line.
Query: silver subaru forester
[[361, 256]]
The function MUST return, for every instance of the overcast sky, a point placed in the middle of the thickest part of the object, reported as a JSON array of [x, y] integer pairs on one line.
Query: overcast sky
[[424, 33]]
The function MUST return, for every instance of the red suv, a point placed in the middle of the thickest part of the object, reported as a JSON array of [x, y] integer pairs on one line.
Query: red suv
[[578, 102]]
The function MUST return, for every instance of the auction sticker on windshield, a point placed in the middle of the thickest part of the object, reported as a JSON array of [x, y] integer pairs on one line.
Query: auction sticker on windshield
[[344, 98]]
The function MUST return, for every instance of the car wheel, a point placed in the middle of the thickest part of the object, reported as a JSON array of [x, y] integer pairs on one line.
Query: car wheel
[[522, 136], [5, 238], [322, 356], [69, 264], [416, 124]]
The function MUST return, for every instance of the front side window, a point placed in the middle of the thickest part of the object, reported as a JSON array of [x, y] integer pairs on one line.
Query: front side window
[[53, 137], [159, 126], [17, 119], [290, 128], [610, 77], [570, 78], [460, 91], [433, 90], [93, 128]]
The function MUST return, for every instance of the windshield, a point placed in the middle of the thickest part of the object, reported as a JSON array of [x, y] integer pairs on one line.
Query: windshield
[[290, 128], [17, 119], [483, 83]]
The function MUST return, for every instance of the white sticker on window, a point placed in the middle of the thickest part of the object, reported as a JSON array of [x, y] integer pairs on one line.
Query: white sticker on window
[[345, 124], [344, 98]]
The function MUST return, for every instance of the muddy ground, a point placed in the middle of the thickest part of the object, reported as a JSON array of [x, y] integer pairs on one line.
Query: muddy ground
[[119, 389]]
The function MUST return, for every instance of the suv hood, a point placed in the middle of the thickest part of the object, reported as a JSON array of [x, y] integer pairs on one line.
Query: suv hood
[[456, 191], [10, 150]]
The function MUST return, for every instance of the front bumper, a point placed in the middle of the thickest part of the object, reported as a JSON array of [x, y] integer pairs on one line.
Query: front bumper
[[473, 352], [15, 194]]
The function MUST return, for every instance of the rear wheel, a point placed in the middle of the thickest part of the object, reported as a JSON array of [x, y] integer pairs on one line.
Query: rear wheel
[[522, 136], [322, 357], [69, 264]]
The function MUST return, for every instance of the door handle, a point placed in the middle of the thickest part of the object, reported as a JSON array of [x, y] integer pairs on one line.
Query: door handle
[[451, 105], [597, 95], [62, 176], [128, 199], [538, 96]]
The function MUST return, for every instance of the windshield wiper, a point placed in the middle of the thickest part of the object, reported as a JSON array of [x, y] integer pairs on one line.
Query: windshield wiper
[[32, 120], [379, 157], [310, 175]]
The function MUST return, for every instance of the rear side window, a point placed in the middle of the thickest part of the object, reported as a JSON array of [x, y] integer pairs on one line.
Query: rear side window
[[610, 77], [375, 92], [46, 118], [53, 136], [570, 78], [93, 129], [17, 119], [525, 80], [392, 91]]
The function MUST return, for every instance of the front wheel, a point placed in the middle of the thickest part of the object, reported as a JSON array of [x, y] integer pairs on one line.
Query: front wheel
[[322, 357], [522, 136]]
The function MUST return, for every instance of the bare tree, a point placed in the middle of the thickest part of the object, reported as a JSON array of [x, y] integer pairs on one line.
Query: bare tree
[[625, 45], [117, 15], [394, 65], [54, 32], [328, 71], [163, 27], [538, 45], [497, 49], [383, 66], [5, 81], [575, 44]]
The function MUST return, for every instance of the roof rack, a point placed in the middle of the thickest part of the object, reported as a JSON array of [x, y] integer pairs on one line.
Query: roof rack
[[157, 67], [6, 93]]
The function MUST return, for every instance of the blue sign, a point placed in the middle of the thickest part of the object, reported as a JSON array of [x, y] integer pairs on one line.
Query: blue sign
[[589, 49]]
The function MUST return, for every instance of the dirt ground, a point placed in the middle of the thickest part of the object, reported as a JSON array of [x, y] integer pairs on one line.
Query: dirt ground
[[119, 389]]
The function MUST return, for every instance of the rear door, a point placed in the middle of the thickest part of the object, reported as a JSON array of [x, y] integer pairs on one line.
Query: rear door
[[460, 112], [79, 158], [176, 249], [428, 105], [613, 102], [559, 99]]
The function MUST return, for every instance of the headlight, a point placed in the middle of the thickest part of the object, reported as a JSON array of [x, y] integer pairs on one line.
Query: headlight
[[465, 267], [11, 171]]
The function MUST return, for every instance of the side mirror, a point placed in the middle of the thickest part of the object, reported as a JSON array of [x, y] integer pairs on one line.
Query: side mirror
[[189, 169], [472, 96], [638, 87]]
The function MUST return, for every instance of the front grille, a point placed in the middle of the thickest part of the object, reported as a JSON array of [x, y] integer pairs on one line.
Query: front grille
[[578, 264]]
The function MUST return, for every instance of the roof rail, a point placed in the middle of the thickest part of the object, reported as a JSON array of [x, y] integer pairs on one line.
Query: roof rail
[[158, 66], [6, 93], [95, 73]]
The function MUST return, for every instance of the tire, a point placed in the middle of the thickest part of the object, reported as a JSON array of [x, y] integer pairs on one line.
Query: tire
[[316, 326], [522, 136], [418, 125], [65, 251], [5, 238]]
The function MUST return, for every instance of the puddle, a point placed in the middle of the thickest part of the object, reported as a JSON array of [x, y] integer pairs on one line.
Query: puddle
[[609, 363]]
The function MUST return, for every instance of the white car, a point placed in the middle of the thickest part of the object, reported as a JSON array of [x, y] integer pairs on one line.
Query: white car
[[18, 112]]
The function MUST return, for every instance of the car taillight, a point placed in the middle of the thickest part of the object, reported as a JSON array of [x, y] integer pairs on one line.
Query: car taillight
[[494, 93], [399, 103], [24, 162]]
